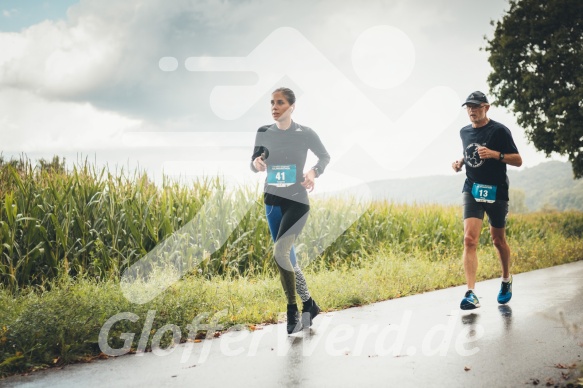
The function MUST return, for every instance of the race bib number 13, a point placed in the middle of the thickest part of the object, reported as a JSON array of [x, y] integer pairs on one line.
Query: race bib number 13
[[484, 193], [281, 175]]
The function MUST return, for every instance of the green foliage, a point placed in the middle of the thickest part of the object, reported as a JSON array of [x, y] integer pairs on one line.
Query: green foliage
[[85, 221], [542, 225], [537, 59]]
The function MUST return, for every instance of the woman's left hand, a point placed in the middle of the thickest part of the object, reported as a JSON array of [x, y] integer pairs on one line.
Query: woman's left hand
[[309, 180]]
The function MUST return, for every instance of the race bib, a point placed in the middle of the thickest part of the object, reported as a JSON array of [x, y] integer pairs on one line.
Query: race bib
[[281, 175], [484, 193]]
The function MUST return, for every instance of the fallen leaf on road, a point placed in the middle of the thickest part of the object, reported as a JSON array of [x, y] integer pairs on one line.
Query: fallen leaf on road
[[467, 368], [562, 366]]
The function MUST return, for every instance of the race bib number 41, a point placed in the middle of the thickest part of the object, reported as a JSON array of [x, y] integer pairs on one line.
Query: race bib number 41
[[484, 193], [281, 175]]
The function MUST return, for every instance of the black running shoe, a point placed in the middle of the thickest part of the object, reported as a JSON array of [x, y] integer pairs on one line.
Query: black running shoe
[[293, 319], [310, 310]]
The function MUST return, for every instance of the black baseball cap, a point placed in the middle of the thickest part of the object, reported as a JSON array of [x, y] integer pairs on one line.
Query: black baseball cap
[[477, 98]]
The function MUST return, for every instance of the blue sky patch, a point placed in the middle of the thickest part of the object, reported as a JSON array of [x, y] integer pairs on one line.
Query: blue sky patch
[[15, 15]]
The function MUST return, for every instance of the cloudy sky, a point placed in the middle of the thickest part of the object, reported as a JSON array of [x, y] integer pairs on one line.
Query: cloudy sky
[[181, 87]]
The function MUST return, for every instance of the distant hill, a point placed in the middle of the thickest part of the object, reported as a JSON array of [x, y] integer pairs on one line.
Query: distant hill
[[549, 185]]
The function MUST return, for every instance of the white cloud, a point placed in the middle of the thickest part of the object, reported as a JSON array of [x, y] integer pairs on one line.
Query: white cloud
[[59, 60], [109, 39], [12, 47], [28, 123]]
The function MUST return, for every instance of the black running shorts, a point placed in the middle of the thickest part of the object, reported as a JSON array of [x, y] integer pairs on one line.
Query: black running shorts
[[496, 211]]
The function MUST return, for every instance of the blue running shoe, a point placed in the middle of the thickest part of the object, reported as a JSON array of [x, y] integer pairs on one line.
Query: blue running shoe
[[470, 301], [505, 292]]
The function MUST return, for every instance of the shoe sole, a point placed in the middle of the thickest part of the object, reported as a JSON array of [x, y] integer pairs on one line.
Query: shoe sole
[[470, 306], [509, 292]]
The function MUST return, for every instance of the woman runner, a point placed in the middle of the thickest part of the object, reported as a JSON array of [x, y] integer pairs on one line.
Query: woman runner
[[281, 150]]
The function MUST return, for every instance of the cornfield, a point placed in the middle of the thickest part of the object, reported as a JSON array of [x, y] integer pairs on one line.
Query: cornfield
[[97, 223]]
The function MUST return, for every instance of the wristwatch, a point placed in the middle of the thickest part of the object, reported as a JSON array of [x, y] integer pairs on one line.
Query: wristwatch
[[501, 156], [316, 170]]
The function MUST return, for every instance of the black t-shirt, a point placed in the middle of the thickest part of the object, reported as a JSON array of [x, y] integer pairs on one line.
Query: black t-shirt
[[496, 137], [287, 149]]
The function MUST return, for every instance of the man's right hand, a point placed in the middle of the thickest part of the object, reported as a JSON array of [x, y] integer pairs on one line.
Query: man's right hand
[[457, 165]]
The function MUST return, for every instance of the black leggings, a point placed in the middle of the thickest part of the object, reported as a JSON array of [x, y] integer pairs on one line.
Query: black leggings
[[288, 218], [286, 221]]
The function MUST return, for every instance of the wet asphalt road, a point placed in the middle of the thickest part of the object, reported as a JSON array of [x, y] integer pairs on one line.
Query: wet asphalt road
[[416, 341]]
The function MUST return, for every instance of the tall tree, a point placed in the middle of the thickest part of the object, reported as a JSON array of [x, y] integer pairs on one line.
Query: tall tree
[[537, 59]]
